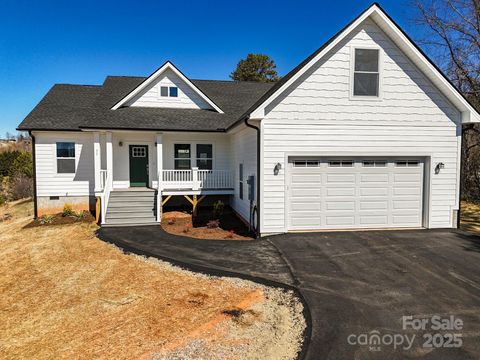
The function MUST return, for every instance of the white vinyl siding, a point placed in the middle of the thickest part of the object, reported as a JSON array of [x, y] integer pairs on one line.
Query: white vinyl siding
[[317, 117], [186, 97], [244, 145], [49, 182]]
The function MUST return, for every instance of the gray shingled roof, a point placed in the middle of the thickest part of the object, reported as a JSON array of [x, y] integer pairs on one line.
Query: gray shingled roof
[[73, 107]]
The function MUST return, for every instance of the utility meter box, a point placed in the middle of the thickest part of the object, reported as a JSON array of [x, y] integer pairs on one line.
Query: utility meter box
[[251, 187]]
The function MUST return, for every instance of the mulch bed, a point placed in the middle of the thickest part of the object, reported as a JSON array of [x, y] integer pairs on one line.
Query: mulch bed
[[59, 219], [179, 222]]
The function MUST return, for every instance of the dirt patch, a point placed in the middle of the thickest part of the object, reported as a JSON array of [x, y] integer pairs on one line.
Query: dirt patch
[[470, 217], [59, 219], [66, 294], [230, 226]]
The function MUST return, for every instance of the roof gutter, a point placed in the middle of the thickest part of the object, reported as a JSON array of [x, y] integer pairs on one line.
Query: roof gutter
[[247, 117]]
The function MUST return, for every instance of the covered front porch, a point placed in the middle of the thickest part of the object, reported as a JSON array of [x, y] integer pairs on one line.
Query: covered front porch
[[158, 166]]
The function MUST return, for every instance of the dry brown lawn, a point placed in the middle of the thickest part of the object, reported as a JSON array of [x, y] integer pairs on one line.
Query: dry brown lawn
[[66, 294], [470, 217]]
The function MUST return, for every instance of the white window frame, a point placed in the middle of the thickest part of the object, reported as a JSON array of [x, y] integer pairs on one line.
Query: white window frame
[[55, 158], [380, 73], [196, 154], [193, 151], [160, 86], [175, 158]]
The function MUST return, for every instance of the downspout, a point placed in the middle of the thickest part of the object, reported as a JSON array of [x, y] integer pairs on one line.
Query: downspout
[[34, 165], [460, 179], [258, 172]]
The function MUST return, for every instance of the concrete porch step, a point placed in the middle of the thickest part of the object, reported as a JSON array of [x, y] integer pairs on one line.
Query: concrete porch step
[[121, 222], [132, 193]]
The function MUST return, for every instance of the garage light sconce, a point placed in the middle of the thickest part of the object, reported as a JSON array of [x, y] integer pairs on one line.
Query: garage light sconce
[[120, 143], [439, 167], [277, 168]]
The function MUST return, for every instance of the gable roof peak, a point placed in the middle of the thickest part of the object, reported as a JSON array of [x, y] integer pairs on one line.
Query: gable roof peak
[[167, 65]]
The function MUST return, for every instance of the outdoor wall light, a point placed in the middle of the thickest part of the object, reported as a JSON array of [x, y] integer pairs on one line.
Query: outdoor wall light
[[120, 143], [439, 167], [277, 168]]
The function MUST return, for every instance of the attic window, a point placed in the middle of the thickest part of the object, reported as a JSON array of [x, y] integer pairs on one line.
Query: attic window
[[168, 91], [366, 73]]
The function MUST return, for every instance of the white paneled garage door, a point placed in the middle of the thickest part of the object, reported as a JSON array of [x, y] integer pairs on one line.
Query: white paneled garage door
[[354, 193]]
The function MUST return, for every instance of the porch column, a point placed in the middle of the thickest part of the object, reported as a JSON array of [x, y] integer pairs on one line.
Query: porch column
[[97, 158], [159, 175], [109, 153]]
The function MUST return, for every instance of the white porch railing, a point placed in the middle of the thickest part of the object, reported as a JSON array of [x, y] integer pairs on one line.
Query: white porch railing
[[195, 179], [106, 188]]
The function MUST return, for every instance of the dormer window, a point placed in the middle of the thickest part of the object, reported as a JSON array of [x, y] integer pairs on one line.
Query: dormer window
[[366, 73], [168, 91]]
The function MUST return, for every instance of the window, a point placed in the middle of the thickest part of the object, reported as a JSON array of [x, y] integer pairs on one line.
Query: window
[[406, 163], [205, 156], [366, 72], [168, 91], [374, 163], [340, 163], [173, 91], [306, 163], [182, 157], [138, 151], [240, 181], [66, 158]]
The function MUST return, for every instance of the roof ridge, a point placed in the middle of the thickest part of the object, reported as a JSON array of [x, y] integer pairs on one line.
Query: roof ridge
[[83, 85]]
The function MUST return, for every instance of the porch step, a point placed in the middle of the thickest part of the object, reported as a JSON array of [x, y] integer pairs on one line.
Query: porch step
[[131, 208]]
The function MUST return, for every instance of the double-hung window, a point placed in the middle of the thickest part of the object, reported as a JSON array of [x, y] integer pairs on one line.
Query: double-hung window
[[65, 157], [182, 157], [366, 73], [205, 156]]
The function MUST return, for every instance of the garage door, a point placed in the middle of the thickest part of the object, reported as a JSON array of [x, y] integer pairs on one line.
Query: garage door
[[354, 193]]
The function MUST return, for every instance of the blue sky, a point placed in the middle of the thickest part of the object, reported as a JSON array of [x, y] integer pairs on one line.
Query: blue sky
[[81, 42]]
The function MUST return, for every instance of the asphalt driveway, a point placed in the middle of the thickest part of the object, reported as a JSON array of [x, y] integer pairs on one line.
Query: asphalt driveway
[[356, 284]]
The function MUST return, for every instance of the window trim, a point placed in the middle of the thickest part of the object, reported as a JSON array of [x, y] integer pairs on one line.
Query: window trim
[[175, 158], [352, 73], [72, 174], [196, 154], [193, 151]]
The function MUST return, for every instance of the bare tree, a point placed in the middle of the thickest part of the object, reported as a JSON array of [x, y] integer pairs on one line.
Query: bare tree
[[453, 40]]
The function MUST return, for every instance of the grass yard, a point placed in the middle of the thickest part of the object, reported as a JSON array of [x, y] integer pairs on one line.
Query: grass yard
[[66, 294], [470, 217]]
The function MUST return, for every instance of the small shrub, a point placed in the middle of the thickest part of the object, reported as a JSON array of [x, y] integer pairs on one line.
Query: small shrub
[[80, 215], [186, 229], [218, 207], [230, 234], [46, 219], [213, 224], [171, 221], [67, 210], [20, 187]]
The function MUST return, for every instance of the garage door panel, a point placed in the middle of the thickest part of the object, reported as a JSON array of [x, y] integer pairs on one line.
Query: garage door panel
[[373, 191], [374, 205], [340, 191], [356, 194], [340, 178], [374, 178], [334, 220], [341, 205]]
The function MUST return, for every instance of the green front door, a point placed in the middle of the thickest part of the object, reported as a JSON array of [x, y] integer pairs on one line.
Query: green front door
[[138, 165]]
